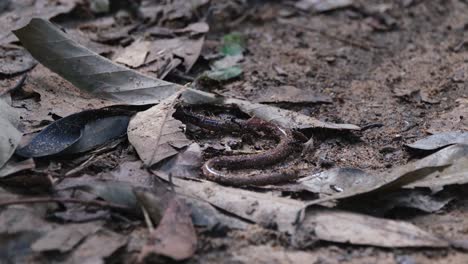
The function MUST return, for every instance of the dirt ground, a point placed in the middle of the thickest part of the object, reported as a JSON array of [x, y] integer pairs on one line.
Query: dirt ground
[[397, 69], [403, 77]]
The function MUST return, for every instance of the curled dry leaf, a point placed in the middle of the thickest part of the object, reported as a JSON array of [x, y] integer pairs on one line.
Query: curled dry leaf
[[440, 140], [357, 229], [155, 134], [88, 70]]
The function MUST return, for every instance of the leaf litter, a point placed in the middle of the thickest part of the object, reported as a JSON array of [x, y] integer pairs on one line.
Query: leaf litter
[[166, 149]]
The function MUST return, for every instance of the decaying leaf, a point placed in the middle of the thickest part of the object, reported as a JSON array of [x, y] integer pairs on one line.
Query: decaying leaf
[[155, 134], [175, 236], [10, 136], [65, 237], [338, 180], [98, 247], [262, 208], [132, 172], [418, 199], [406, 174], [88, 70], [13, 166], [440, 140], [456, 173], [185, 164], [357, 229], [135, 54], [112, 191]]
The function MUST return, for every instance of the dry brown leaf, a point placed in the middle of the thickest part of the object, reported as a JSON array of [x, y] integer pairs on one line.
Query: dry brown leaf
[[357, 229], [175, 236], [155, 134]]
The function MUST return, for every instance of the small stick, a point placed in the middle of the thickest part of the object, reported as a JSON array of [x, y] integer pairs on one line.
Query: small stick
[[63, 200]]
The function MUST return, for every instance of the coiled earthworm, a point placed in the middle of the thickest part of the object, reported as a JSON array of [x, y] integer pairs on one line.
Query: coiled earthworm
[[287, 145]]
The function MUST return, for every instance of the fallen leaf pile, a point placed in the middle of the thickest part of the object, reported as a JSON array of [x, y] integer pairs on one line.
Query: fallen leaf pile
[[98, 167]]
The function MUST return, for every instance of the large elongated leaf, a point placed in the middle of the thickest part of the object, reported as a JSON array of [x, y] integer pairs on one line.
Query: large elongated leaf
[[155, 134], [262, 208], [282, 117], [89, 71]]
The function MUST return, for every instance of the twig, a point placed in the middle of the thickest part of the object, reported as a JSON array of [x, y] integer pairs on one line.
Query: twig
[[64, 200]]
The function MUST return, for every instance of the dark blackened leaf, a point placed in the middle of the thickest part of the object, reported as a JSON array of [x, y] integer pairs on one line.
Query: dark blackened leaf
[[77, 133], [440, 140]]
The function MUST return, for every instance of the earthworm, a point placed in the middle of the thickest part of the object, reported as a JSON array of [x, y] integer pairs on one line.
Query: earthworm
[[285, 148]]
